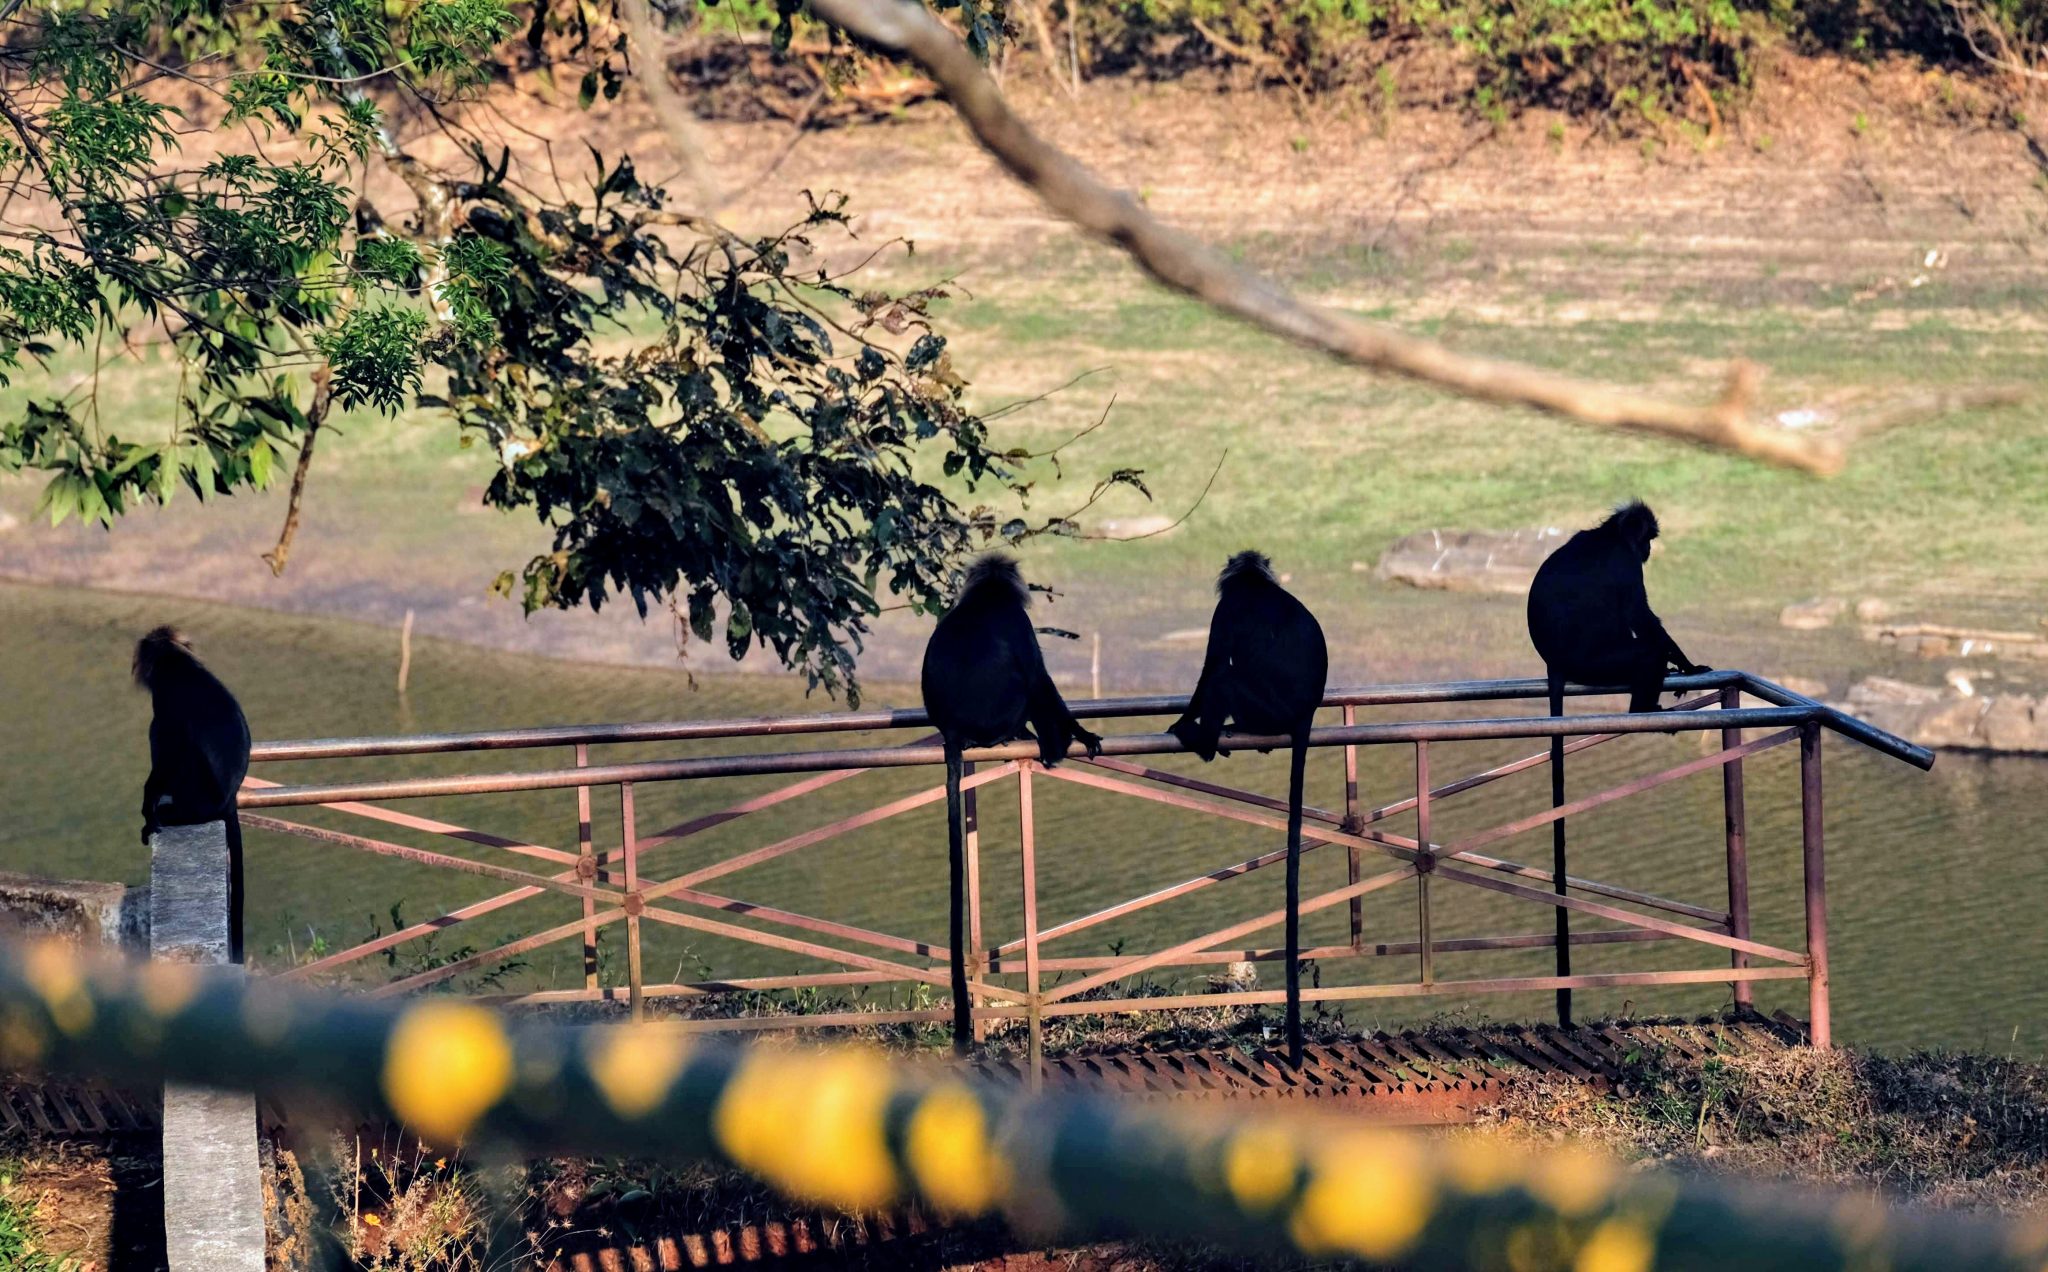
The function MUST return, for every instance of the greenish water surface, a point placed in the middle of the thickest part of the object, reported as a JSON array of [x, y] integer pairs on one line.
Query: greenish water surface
[[1936, 879]]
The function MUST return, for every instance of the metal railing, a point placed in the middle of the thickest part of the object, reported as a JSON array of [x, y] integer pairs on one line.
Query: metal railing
[[1009, 978]]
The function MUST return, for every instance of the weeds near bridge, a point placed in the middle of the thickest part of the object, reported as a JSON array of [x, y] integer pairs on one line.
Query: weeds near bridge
[[1954, 1130], [407, 1210], [409, 958]]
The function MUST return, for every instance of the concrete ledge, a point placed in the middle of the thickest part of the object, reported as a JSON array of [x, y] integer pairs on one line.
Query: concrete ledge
[[75, 909], [213, 1182]]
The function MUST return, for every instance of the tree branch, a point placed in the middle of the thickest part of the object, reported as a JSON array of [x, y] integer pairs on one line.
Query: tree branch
[[677, 120], [316, 415], [1186, 265], [1177, 522], [1972, 18]]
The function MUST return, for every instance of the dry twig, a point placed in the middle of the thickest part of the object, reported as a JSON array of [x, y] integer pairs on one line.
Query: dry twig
[[1973, 21], [650, 67], [1180, 262]]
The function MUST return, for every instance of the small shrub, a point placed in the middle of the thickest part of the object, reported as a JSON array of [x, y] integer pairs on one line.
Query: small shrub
[[292, 1231], [406, 1212]]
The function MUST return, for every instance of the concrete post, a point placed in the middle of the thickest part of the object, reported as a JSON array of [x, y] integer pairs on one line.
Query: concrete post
[[213, 1182]]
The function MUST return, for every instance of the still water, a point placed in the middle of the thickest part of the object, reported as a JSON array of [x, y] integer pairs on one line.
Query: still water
[[1936, 880]]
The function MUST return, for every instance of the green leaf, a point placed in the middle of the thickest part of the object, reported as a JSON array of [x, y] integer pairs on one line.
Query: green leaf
[[167, 470], [136, 455], [59, 498], [200, 468], [92, 503]]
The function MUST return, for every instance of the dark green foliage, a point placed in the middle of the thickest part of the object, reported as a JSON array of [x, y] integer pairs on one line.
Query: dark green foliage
[[238, 262], [758, 456], [374, 355], [1631, 62], [1600, 57]]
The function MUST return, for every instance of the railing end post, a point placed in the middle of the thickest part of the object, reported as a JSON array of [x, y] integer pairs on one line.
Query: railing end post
[[1812, 836]]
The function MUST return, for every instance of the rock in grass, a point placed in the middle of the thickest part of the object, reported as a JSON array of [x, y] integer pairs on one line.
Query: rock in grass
[[1500, 561], [1812, 615]]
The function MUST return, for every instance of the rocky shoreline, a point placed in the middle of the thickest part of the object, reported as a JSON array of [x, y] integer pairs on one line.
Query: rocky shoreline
[[1954, 716]]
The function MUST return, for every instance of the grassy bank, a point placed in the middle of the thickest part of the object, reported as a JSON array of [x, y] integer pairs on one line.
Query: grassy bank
[[1323, 466], [1944, 1128]]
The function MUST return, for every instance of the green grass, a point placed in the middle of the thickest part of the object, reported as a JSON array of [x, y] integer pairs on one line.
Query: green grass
[[23, 1247], [1327, 465]]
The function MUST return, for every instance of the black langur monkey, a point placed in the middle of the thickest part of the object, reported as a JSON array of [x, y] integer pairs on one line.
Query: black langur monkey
[[1590, 618], [984, 684], [1264, 673], [198, 753], [1591, 622]]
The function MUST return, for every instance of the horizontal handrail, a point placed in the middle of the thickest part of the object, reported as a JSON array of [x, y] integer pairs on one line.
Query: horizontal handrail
[[714, 766], [1860, 731], [1843, 723], [907, 718]]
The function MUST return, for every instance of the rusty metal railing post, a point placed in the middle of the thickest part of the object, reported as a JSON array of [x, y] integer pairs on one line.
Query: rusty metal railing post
[[1424, 865], [586, 871], [635, 904], [1034, 1045], [1352, 826], [1737, 821], [1559, 880], [970, 823], [1816, 886]]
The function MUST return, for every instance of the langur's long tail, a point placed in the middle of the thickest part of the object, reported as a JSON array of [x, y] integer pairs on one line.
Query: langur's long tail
[[235, 899], [956, 835], [1564, 917], [1297, 772]]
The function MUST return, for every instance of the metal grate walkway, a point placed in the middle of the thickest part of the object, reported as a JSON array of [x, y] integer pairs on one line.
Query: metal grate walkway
[[1414, 1077], [1421, 1077], [70, 1111]]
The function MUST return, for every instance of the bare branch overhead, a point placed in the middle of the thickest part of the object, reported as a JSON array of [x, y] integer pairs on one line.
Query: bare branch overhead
[[678, 122], [1187, 265]]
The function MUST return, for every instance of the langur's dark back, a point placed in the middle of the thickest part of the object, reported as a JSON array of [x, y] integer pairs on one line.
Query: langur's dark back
[[1278, 657], [198, 736], [982, 660], [1585, 594]]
